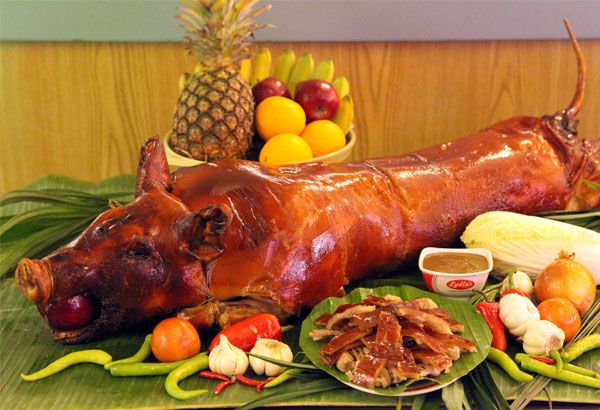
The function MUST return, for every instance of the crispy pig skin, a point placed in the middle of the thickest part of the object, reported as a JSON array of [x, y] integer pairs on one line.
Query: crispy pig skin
[[291, 236]]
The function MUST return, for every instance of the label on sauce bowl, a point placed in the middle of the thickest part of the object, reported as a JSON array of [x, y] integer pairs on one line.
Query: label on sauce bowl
[[460, 284]]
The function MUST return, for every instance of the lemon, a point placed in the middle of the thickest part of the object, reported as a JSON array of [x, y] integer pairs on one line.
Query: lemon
[[285, 148], [279, 115], [324, 137]]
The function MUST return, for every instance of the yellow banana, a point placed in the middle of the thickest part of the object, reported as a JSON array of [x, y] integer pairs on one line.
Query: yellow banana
[[246, 69], [345, 113], [284, 65], [342, 86], [183, 79], [262, 66], [302, 71], [324, 70]]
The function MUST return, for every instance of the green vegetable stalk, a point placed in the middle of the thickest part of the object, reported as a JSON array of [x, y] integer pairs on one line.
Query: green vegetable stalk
[[283, 377]]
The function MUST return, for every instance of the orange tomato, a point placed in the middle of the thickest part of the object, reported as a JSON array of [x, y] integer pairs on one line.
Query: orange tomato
[[175, 339], [563, 314], [279, 115]]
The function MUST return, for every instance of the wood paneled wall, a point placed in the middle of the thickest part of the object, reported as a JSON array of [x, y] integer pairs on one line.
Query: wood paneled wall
[[83, 109]]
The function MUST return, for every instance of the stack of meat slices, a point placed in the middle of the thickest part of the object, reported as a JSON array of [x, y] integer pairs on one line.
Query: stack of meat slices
[[384, 341]]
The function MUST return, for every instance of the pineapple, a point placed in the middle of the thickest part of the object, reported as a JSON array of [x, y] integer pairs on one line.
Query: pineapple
[[214, 116]]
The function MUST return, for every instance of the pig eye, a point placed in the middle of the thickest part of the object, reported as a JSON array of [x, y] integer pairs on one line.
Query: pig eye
[[138, 250]]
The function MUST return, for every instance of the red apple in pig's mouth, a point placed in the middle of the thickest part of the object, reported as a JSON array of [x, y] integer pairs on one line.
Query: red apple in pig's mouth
[[318, 99], [269, 87]]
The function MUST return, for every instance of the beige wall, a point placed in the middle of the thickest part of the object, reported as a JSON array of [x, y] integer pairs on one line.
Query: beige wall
[[83, 109]]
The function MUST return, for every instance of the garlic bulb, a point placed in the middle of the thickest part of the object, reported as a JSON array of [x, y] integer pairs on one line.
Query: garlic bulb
[[227, 359], [521, 281], [541, 337], [517, 312], [273, 349]]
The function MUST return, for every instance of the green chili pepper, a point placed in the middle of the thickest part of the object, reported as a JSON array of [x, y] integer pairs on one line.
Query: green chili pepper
[[142, 354], [563, 375], [576, 369], [508, 365], [286, 375], [194, 365], [589, 342], [145, 369], [83, 356], [566, 366], [557, 359]]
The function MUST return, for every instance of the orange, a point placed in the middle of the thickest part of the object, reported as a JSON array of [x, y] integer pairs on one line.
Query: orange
[[563, 314], [324, 137], [285, 148], [279, 115]]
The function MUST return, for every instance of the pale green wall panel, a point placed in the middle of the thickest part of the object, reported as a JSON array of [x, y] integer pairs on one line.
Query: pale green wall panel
[[307, 20]]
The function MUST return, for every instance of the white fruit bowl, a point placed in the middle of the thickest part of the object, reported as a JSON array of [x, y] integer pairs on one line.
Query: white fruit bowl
[[178, 161]]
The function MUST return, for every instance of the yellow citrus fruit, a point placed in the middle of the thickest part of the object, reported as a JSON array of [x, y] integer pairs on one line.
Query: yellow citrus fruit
[[285, 148], [279, 115], [324, 137]]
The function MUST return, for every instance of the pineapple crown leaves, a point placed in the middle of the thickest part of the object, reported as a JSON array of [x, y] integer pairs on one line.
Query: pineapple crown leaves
[[218, 31]]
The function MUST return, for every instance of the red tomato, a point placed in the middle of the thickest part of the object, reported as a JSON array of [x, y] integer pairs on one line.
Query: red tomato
[[175, 339]]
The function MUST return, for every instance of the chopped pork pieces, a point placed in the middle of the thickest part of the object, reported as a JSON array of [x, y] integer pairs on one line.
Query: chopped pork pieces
[[384, 341]]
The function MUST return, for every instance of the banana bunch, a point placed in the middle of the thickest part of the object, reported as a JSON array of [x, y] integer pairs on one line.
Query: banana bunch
[[291, 70]]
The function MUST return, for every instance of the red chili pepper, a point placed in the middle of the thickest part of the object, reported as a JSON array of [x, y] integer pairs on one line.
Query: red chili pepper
[[247, 381], [517, 291], [213, 375], [223, 385], [260, 386], [546, 360], [245, 333], [491, 313]]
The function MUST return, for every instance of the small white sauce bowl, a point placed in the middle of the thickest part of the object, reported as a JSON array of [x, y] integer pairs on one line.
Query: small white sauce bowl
[[457, 285]]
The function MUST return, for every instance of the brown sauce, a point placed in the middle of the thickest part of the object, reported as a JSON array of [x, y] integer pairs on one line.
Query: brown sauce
[[455, 262]]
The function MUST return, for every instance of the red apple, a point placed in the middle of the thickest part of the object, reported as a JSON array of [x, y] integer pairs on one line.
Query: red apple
[[269, 87], [72, 313], [318, 99]]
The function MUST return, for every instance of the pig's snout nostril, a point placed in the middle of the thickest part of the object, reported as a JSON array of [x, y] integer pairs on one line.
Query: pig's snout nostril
[[34, 279]]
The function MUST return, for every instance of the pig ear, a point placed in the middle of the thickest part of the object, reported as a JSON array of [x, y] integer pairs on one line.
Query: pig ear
[[153, 170], [202, 232]]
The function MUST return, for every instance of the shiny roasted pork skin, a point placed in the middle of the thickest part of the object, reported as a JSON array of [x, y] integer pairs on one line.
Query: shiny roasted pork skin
[[298, 234]]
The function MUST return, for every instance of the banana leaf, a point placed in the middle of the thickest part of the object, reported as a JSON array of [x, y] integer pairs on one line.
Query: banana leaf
[[476, 330], [51, 211]]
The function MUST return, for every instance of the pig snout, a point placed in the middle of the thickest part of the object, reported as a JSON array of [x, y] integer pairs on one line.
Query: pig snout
[[34, 279]]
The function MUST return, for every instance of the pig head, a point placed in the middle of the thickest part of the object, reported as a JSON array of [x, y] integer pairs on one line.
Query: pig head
[[134, 263]]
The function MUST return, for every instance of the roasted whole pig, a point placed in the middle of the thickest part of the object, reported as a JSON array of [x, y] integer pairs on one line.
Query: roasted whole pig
[[219, 241]]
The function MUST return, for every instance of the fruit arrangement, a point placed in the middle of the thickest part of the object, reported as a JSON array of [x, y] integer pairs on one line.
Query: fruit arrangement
[[236, 106], [301, 112]]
